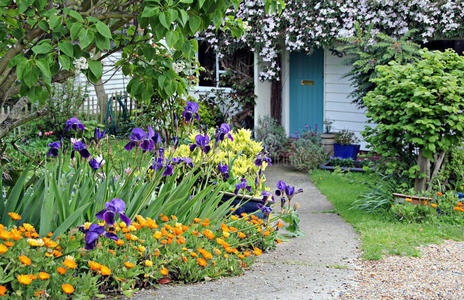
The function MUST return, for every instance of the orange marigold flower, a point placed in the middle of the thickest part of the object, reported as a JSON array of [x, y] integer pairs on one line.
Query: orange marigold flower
[[280, 224], [234, 217], [244, 214], [14, 216], [257, 251], [25, 260], [197, 220], [246, 253], [164, 271], [208, 233], [57, 253], [61, 270], [39, 293], [184, 258], [459, 204], [241, 256], [164, 218], [201, 262], [217, 251], [157, 253], [219, 241], [129, 264], [193, 254], [3, 248], [457, 208], [173, 217], [266, 233], [16, 234], [158, 235], [278, 241], [195, 233], [439, 194], [94, 265], [24, 279], [226, 255], [408, 199], [205, 253], [119, 242], [181, 240], [105, 271], [67, 288], [148, 263], [433, 205], [50, 234], [43, 275], [69, 263], [205, 223], [28, 227], [4, 234], [2, 290], [9, 244], [241, 235], [224, 227]]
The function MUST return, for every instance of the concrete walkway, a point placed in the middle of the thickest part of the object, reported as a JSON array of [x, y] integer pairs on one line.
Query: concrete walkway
[[315, 266]]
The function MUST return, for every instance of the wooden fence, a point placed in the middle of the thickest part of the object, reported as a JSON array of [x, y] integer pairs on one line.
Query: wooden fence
[[111, 110]]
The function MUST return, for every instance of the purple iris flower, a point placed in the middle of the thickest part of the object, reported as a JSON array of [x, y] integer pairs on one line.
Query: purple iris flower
[[157, 163], [201, 141], [190, 111], [75, 124], [93, 234], [80, 147], [224, 169], [112, 208], [242, 186], [157, 138], [54, 149], [266, 195], [289, 191], [148, 143], [280, 188], [96, 164], [136, 137], [265, 209], [175, 141], [98, 135], [187, 161], [176, 160], [222, 132], [260, 158], [168, 170]]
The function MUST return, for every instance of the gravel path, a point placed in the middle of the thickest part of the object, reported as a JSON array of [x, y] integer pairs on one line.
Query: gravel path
[[316, 266], [437, 274]]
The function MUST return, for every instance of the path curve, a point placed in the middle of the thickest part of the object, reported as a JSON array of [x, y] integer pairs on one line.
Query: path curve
[[315, 266]]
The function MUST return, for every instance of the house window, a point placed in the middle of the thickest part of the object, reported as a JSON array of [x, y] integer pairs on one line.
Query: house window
[[210, 61]]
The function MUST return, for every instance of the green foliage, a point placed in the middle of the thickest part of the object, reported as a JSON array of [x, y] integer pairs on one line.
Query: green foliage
[[379, 196], [413, 213], [365, 53], [272, 135], [451, 177], [307, 154], [416, 107], [346, 137]]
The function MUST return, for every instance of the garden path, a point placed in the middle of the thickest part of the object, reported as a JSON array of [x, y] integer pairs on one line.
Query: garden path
[[316, 266]]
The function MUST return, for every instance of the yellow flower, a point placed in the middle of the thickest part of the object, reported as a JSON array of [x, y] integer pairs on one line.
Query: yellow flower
[[129, 264], [25, 260], [3, 248], [201, 262], [14, 216], [148, 263], [24, 279], [257, 251], [105, 271], [164, 271], [61, 270], [35, 242], [67, 288], [43, 275]]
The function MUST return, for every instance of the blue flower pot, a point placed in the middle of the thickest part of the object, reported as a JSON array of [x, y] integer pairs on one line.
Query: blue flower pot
[[346, 151]]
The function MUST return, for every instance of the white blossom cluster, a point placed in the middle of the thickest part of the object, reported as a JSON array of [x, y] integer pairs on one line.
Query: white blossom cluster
[[307, 24], [81, 64]]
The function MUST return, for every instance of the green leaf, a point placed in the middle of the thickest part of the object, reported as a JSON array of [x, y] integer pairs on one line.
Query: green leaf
[[183, 17], [96, 68], [149, 11], [71, 220], [194, 23], [66, 47], [103, 30], [163, 21], [74, 14], [75, 30], [45, 69], [65, 62], [42, 48], [30, 78], [86, 37], [201, 2], [54, 21], [102, 43], [171, 38]]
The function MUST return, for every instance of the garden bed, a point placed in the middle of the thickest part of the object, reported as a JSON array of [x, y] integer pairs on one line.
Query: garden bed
[[357, 166]]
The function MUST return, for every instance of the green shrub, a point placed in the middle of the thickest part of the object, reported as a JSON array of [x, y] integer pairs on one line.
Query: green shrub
[[417, 109], [307, 155], [272, 135]]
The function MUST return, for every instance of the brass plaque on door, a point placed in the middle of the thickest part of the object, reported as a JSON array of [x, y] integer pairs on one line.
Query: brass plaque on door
[[307, 82]]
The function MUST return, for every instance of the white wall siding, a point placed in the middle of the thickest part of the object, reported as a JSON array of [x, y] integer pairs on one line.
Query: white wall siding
[[263, 93], [337, 103]]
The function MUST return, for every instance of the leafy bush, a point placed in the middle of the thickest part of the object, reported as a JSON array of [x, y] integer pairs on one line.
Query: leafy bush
[[346, 137], [417, 111], [380, 194], [307, 155], [272, 135]]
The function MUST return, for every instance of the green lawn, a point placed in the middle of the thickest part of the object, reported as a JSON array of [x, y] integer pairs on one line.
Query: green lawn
[[380, 234]]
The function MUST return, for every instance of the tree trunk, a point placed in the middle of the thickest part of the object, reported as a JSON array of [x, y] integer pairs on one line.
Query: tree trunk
[[102, 98], [424, 173]]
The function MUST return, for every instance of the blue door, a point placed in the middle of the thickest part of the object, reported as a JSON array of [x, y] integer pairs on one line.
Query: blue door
[[306, 91]]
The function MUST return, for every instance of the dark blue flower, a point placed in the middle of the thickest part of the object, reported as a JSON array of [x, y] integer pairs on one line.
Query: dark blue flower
[[224, 169], [266, 195], [168, 170], [54, 149], [148, 144], [157, 138], [98, 135], [260, 158], [289, 191], [187, 161], [136, 137], [157, 163], [112, 208], [93, 234], [201, 141], [265, 209], [190, 111], [80, 147], [224, 130], [95, 163], [75, 124], [280, 188], [242, 186]]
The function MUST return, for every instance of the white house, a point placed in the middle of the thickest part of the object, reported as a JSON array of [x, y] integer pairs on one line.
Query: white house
[[314, 89]]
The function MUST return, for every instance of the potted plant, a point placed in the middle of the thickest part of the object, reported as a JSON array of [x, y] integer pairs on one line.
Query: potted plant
[[328, 138], [345, 145]]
